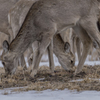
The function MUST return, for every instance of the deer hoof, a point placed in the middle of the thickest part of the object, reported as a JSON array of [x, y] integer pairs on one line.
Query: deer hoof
[[76, 72]]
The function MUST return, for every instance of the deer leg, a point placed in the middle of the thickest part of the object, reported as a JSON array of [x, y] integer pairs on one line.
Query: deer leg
[[35, 54], [9, 38], [90, 26], [23, 63], [46, 39], [29, 57], [78, 47], [73, 44], [50, 55], [86, 49], [87, 43]]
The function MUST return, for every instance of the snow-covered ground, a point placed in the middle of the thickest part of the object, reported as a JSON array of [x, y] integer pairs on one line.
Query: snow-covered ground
[[51, 95]]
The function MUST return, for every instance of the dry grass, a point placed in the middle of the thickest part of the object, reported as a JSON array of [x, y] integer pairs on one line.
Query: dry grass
[[61, 80]]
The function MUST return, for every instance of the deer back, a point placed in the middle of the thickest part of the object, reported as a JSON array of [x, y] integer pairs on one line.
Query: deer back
[[18, 13], [5, 6]]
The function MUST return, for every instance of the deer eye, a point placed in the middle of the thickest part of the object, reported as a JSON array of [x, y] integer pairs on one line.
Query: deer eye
[[71, 61], [3, 63]]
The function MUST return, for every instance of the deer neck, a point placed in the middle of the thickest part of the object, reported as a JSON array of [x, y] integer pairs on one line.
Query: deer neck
[[22, 41]]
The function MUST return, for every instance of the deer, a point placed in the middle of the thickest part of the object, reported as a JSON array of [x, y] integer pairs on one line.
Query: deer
[[5, 28], [16, 18], [44, 20]]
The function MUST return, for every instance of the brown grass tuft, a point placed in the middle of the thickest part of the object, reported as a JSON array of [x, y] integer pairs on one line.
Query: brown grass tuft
[[87, 80]]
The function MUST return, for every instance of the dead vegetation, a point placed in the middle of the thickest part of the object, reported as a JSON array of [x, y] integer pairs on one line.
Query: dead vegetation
[[89, 79]]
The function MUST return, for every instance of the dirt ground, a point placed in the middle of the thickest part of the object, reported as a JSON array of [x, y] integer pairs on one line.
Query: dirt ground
[[88, 79]]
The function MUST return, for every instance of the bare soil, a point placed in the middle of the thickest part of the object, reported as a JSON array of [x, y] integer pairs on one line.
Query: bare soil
[[88, 79]]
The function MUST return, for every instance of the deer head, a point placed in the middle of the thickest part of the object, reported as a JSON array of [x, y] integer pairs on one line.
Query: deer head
[[63, 52], [9, 60]]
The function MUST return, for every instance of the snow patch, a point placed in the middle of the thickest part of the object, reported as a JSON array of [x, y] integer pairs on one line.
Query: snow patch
[[52, 95]]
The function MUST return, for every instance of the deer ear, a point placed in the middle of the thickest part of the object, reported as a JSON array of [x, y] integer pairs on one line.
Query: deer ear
[[67, 47], [5, 46]]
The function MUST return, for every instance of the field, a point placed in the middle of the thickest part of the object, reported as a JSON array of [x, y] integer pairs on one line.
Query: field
[[88, 79]]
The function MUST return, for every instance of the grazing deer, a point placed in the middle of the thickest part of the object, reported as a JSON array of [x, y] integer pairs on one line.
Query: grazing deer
[[16, 18], [45, 19], [5, 6]]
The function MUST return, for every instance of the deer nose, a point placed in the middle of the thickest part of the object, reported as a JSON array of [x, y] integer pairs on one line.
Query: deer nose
[[72, 61]]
